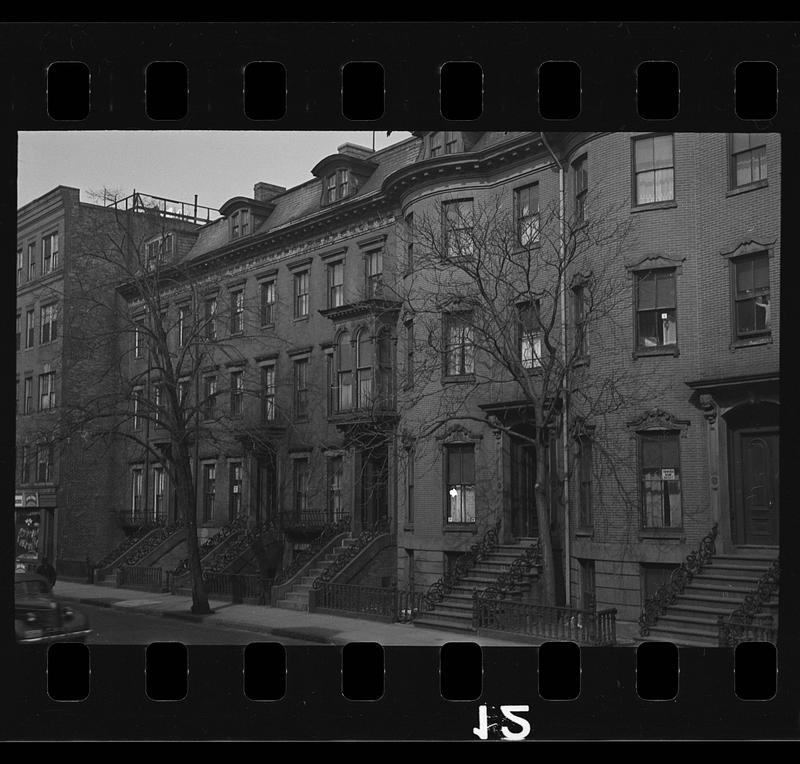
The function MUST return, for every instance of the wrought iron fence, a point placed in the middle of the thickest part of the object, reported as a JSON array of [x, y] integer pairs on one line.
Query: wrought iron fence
[[656, 606], [379, 528], [330, 531], [241, 544], [140, 577], [151, 541], [238, 586], [121, 548], [169, 208], [586, 627], [439, 589], [212, 543], [730, 632], [370, 601], [306, 518]]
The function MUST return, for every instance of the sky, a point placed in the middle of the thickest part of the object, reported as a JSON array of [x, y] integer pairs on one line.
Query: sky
[[176, 164]]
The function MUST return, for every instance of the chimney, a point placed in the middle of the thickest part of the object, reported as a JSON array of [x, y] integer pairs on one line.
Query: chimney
[[265, 192], [354, 150]]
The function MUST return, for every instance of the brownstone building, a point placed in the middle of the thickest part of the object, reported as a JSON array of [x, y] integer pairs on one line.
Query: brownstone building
[[344, 375]]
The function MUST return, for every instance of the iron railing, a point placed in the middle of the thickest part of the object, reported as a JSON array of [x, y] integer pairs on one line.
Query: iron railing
[[240, 545], [212, 543], [138, 519], [438, 590], [151, 541], [512, 579], [303, 557], [121, 548], [380, 528], [168, 208], [586, 627], [746, 623], [308, 519], [140, 577], [656, 606], [239, 587], [383, 604]]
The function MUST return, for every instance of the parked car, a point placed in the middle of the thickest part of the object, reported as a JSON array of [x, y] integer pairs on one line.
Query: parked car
[[40, 617]]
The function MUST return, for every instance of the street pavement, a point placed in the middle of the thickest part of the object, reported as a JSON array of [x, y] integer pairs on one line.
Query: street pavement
[[274, 623]]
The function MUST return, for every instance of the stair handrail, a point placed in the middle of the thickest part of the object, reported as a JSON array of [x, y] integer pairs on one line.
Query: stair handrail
[[511, 578], [742, 616], [656, 605], [241, 544], [380, 527], [212, 542], [329, 530], [439, 589], [121, 549], [162, 533]]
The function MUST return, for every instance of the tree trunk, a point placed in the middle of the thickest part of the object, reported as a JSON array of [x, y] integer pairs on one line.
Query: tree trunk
[[187, 507], [543, 521]]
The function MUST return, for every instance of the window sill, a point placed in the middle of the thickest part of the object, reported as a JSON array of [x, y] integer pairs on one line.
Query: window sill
[[457, 378], [656, 534], [409, 528], [582, 360], [749, 187], [270, 325], [297, 319], [669, 350], [460, 528], [655, 206], [237, 334], [738, 344], [584, 532]]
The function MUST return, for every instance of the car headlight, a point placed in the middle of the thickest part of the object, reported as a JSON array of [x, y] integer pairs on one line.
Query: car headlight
[[67, 612], [30, 617]]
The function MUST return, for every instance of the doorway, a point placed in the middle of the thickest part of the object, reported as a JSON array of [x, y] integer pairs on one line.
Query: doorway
[[523, 483]]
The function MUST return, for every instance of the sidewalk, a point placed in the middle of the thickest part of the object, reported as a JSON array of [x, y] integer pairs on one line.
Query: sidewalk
[[272, 622]]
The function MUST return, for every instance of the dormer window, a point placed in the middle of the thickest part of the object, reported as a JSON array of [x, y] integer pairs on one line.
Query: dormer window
[[240, 223], [338, 186], [158, 250], [444, 142]]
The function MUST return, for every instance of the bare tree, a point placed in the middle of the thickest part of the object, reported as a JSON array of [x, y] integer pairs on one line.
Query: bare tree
[[504, 307]]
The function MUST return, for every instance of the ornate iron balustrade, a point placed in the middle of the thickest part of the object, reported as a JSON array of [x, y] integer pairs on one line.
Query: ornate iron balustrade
[[240, 545], [379, 528], [307, 519], [656, 606], [306, 555], [237, 586], [511, 579], [212, 542], [586, 627], [386, 604], [140, 577], [439, 589], [140, 518], [123, 547], [160, 535], [739, 626]]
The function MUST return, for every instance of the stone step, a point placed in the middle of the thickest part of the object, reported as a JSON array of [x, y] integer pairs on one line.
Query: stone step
[[701, 627], [729, 577], [680, 638], [292, 605], [454, 607], [447, 624], [717, 599]]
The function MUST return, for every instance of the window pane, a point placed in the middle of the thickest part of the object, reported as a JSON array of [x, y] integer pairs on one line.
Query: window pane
[[669, 452], [745, 316], [454, 466], [761, 306], [668, 327], [648, 329], [364, 350], [665, 290], [651, 453], [761, 273], [744, 172], [664, 191], [467, 465], [644, 154], [647, 291], [468, 504], [662, 149], [645, 188], [744, 277], [672, 513]]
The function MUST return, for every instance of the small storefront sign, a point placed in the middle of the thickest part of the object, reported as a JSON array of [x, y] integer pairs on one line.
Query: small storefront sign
[[668, 474], [27, 534]]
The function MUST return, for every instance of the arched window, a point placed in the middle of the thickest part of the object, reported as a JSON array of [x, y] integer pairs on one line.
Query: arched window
[[384, 377], [344, 366], [365, 352]]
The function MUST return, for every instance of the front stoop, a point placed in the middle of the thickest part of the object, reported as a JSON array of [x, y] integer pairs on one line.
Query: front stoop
[[454, 612], [717, 590], [296, 598]]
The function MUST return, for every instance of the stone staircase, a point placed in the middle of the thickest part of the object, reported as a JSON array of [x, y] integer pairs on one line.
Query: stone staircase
[[719, 589], [297, 597], [454, 612]]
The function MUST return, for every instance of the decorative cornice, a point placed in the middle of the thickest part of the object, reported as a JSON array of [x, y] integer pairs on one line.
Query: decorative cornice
[[358, 309], [292, 352], [709, 407], [268, 274], [749, 247], [653, 260], [338, 252], [658, 419], [266, 357], [300, 263], [373, 241], [458, 433]]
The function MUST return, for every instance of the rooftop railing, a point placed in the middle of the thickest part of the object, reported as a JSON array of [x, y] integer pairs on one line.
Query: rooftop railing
[[168, 208]]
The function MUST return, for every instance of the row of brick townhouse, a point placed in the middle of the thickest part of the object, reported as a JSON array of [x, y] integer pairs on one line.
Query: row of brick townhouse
[[343, 376]]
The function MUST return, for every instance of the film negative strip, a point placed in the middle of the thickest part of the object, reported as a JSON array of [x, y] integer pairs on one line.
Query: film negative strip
[[377, 578]]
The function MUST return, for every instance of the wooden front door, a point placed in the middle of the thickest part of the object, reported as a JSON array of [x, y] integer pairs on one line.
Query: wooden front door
[[756, 494], [374, 482], [523, 482]]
